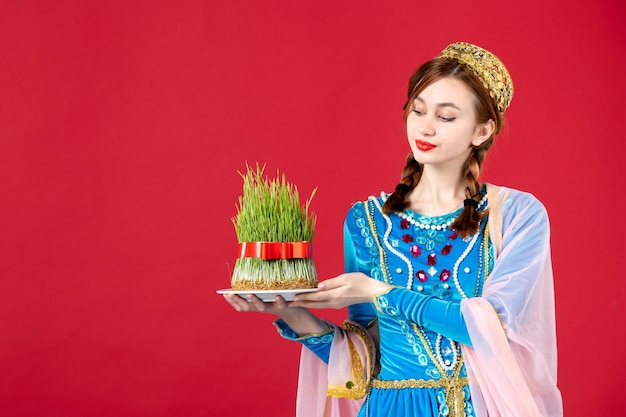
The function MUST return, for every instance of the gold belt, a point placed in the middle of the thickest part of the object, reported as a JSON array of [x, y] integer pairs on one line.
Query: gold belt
[[420, 383], [453, 387]]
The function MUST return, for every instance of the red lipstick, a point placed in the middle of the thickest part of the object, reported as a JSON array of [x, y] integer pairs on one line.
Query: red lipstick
[[424, 146]]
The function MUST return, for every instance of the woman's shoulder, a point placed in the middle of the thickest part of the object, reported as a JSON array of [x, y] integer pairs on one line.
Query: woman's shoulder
[[508, 199], [372, 204], [375, 200]]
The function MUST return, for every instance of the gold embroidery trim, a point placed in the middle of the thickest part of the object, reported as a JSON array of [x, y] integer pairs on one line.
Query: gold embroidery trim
[[358, 387], [420, 383], [486, 246], [359, 331], [455, 398], [381, 253]]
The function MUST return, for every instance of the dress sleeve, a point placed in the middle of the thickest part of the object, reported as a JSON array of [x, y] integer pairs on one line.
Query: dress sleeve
[[364, 313], [440, 316], [316, 343]]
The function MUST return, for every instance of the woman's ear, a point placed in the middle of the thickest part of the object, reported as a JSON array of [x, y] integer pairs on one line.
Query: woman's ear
[[483, 132]]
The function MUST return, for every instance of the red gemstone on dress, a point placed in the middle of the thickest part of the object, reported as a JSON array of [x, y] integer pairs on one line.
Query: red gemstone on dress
[[405, 224], [432, 259], [407, 238], [445, 275], [415, 250], [421, 276], [446, 249], [453, 235]]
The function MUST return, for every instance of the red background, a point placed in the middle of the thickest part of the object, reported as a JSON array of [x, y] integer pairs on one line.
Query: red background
[[123, 125]]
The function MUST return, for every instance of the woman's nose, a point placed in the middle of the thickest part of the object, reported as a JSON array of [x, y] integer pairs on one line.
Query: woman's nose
[[426, 128]]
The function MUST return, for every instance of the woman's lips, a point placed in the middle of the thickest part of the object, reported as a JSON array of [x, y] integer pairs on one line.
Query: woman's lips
[[424, 146]]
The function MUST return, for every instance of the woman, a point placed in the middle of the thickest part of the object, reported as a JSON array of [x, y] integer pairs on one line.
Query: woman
[[448, 281]]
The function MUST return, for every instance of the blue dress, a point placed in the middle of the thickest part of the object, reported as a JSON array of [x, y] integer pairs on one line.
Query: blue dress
[[431, 268]]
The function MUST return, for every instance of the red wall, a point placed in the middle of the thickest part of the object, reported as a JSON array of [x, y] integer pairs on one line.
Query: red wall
[[123, 125]]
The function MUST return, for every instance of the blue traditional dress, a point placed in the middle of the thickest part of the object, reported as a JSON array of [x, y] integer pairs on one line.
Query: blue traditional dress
[[431, 268]]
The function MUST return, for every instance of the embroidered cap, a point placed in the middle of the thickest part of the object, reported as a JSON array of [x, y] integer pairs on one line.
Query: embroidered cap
[[487, 67]]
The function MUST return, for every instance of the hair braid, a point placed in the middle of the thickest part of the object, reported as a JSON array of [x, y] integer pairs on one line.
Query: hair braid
[[467, 222], [411, 175]]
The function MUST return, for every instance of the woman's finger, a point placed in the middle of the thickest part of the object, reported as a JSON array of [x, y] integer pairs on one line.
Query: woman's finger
[[322, 295], [256, 302], [236, 302], [318, 304], [280, 302], [331, 283]]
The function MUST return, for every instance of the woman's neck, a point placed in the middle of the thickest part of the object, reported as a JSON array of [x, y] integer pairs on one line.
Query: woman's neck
[[437, 194]]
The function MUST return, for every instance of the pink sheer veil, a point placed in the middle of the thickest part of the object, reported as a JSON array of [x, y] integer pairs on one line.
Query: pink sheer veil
[[512, 364]]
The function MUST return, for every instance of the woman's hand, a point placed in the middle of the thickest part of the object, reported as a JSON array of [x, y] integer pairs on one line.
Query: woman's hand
[[301, 320], [342, 291], [253, 303]]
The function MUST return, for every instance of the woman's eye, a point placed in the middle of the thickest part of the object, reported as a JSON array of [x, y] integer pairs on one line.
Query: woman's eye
[[447, 119], [418, 112]]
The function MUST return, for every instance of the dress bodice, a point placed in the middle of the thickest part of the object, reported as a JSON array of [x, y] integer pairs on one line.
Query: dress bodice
[[425, 255]]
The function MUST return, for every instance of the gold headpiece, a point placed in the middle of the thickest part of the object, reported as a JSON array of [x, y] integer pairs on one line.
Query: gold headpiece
[[487, 67]]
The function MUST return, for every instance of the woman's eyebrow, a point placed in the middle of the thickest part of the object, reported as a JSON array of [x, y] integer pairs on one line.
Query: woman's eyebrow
[[446, 104]]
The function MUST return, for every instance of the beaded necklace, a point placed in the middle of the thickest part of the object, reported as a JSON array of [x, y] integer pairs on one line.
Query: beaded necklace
[[431, 223]]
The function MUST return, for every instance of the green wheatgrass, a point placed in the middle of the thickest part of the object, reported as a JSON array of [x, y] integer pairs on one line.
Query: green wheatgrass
[[270, 211]]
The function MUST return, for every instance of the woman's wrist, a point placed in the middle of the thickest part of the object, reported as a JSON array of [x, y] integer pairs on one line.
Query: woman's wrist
[[303, 322], [379, 288]]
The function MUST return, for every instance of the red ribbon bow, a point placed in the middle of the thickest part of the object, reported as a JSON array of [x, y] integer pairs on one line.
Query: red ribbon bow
[[275, 250]]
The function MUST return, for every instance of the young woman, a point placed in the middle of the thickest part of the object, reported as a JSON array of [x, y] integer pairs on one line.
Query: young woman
[[448, 281]]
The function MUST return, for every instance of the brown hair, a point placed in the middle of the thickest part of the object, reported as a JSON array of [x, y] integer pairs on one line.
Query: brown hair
[[486, 109]]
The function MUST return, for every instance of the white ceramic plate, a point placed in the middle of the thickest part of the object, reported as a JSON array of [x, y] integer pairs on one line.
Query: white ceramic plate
[[268, 296]]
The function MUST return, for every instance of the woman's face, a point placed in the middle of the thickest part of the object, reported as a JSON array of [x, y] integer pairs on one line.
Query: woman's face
[[441, 127]]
